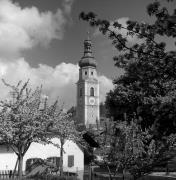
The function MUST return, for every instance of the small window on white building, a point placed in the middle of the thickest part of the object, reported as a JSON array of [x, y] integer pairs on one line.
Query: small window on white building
[[70, 160], [92, 73], [85, 72]]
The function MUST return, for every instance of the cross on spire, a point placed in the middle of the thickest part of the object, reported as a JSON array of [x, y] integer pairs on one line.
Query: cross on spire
[[88, 35]]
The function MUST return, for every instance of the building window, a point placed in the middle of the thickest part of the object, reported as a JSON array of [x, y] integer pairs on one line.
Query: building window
[[92, 73], [70, 161], [91, 91], [80, 92], [85, 72]]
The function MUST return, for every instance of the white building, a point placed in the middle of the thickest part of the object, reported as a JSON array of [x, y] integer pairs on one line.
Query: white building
[[72, 152]]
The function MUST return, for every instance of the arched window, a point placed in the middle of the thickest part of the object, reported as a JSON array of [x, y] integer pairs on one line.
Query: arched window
[[91, 91]]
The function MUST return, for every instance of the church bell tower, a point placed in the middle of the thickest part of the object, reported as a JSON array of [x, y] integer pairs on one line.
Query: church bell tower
[[87, 112]]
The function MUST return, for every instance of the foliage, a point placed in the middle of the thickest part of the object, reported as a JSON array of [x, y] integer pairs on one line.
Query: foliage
[[148, 86], [126, 147], [25, 118], [145, 91], [72, 111]]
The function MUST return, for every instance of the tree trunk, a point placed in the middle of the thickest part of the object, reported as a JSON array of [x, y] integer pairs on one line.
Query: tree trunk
[[109, 171], [61, 158], [135, 177], [123, 177], [20, 166], [14, 171]]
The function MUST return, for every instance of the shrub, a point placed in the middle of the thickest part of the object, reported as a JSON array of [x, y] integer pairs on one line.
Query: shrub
[[55, 177]]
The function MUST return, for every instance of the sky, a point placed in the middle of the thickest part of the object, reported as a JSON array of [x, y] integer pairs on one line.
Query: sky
[[42, 40]]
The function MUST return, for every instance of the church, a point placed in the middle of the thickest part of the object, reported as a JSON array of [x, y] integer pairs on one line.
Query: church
[[87, 114], [88, 111]]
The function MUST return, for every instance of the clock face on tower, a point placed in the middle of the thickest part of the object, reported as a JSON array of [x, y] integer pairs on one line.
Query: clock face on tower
[[91, 101]]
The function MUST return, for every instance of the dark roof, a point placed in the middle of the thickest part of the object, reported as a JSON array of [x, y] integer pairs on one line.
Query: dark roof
[[90, 140]]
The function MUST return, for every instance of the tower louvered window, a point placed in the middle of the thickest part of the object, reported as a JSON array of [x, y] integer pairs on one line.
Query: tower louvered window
[[91, 91]]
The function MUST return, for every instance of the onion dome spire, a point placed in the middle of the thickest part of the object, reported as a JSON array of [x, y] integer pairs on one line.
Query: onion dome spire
[[87, 59], [87, 46]]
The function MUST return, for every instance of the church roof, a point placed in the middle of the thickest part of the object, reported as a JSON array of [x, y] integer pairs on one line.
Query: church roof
[[87, 59]]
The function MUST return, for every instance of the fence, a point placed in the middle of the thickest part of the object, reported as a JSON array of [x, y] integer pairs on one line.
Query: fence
[[8, 174]]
